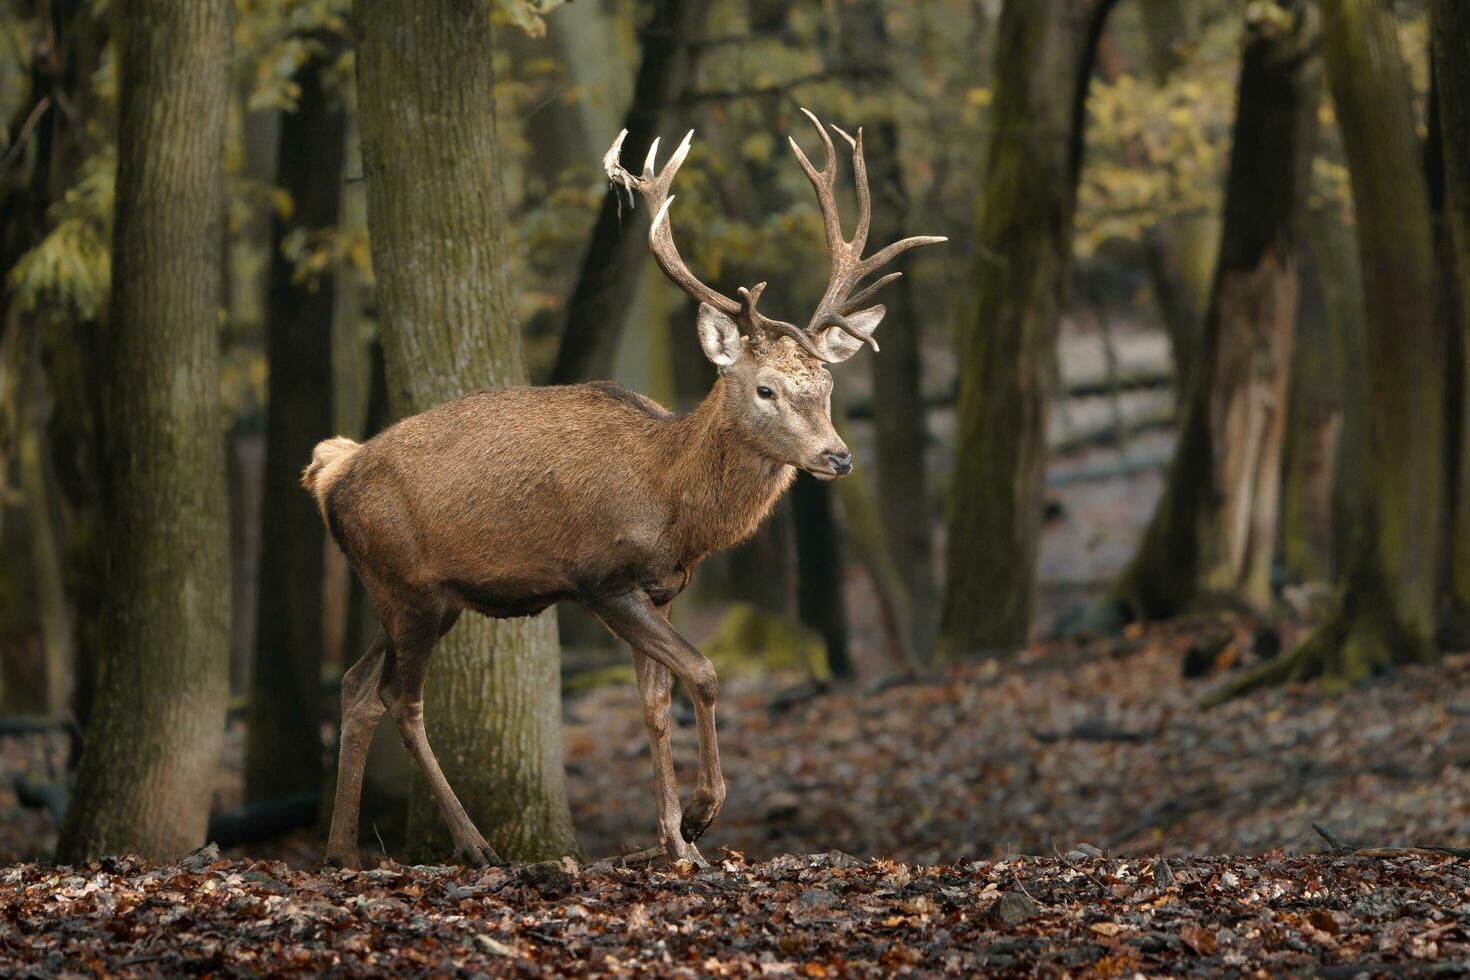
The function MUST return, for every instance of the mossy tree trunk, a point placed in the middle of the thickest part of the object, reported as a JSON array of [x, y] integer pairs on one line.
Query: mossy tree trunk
[[1180, 249], [1044, 55], [426, 97], [900, 432], [153, 743], [605, 289], [1214, 532], [283, 750], [1385, 612], [1451, 52]]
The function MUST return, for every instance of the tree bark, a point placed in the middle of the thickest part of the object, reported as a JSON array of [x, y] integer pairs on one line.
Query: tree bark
[[1214, 532], [820, 598], [153, 744], [1385, 611], [605, 290], [284, 750], [1451, 51], [1045, 51], [900, 431], [426, 96]]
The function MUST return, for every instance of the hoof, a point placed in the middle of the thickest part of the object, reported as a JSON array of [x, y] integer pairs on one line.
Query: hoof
[[698, 815], [681, 851]]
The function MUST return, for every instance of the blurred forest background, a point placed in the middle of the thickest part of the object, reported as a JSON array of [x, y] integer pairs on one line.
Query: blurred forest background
[[1184, 394]]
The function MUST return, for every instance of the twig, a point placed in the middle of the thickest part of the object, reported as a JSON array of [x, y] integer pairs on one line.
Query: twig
[[1077, 867], [25, 131]]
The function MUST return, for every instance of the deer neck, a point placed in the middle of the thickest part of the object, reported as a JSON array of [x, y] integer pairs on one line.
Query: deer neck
[[720, 486]]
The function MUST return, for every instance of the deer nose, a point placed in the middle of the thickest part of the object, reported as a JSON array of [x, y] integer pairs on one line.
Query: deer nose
[[840, 461]]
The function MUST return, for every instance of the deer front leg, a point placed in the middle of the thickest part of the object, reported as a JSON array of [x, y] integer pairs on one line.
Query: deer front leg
[[634, 618], [655, 686]]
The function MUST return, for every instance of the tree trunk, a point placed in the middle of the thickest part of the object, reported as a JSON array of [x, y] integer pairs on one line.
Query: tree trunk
[[605, 290], [820, 598], [900, 432], [1385, 612], [426, 94], [153, 744], [1180, 249], [284, 750], [1451, 41], [1214, 532], [1045, 50]]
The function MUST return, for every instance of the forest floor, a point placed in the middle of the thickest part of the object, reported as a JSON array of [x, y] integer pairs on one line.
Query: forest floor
[[1010, 817], [829, 914]]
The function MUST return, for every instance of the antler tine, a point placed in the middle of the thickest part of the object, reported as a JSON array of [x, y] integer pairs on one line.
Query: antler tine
[[887, 254], [855, 303], [864, 197], [655, 192], [822, 182]]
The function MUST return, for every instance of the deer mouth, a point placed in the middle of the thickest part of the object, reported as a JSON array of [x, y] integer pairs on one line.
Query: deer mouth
[[825, 475]]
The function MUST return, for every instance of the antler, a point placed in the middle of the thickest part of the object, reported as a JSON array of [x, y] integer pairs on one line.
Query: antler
[[655, 192], [848, 265]]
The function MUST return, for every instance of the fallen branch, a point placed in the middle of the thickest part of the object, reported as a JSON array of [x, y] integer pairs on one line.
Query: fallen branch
[[1096, 731], [1336, 845]]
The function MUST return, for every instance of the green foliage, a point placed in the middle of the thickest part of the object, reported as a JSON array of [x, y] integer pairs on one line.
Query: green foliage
[[527, 14], [275, 38], [69, 273], [1156, 151]]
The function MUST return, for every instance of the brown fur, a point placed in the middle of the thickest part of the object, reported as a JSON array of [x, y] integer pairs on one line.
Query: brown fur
[[507, 500]]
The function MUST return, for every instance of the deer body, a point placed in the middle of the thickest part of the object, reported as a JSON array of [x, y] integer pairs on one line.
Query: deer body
[[505, 501], [508, 500]]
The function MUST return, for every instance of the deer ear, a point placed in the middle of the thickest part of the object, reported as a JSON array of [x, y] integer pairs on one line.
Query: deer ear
[[719, 336], [839, 344]]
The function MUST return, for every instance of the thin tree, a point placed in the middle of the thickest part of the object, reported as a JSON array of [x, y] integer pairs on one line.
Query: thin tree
[[283, 751], [1044, 56], [1450, 33], [153, 743], [608, 282], [1214, 531], [900, 430], [426, 97], [1384, 613]]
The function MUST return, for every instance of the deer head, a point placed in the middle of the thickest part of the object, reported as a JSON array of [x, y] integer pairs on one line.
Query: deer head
[[779, 393]]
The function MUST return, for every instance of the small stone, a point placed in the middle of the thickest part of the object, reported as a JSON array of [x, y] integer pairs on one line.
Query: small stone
[[493, 946], [550, 878], [815, 898], [1013, 908], [201, 857]]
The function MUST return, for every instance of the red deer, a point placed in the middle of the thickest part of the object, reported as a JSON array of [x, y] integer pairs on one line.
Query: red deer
[[506, 501]]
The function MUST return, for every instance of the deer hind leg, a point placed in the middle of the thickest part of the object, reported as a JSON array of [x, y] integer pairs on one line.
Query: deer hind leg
[[655, 685], [362, 706], [414, 637]]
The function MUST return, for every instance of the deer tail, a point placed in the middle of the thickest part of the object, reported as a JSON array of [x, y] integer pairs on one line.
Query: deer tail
[[328, 462]]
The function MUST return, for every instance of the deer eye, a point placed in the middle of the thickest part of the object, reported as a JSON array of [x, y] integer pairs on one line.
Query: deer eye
[[764, 391]]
